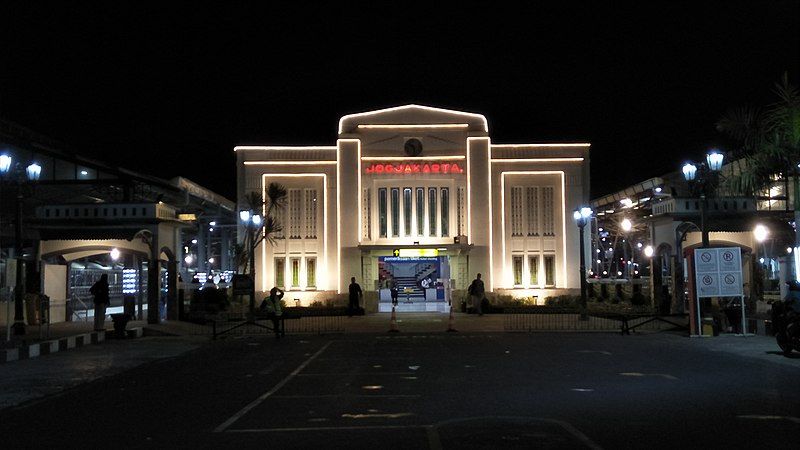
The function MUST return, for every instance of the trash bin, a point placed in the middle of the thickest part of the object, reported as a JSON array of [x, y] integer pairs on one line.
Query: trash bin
[[120, 321]]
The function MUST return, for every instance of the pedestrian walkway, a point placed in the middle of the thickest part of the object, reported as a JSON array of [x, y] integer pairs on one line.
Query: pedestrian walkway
[[59, 337]]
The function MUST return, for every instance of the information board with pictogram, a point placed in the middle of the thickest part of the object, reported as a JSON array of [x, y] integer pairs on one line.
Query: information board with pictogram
[[718, 272]]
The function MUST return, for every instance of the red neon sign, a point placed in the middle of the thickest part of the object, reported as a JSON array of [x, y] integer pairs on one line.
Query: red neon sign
[[413, 168]]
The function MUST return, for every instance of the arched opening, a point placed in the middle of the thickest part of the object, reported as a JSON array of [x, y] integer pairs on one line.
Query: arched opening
[[661, 273]]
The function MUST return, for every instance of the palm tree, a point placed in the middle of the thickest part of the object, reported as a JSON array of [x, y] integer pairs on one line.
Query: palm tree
[[769, 146], [269, 208]]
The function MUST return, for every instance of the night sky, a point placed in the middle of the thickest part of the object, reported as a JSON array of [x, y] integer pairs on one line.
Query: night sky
[[171, 89]]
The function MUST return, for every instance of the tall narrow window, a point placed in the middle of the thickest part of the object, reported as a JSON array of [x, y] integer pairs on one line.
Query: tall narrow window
[[533, 211], [445, 220], [420, 211], [516, 211], [533, 267], [407, 211], [367, 218], [550, 270], [280, 272], [382, 211], [517, 266], [548, 211], [294, 213], [311, 213], [295, 262], [395, 212], [432, 212], [460, 211], [311, 272]]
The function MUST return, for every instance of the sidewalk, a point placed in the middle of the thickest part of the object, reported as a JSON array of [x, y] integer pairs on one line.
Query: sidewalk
[[59, 337]]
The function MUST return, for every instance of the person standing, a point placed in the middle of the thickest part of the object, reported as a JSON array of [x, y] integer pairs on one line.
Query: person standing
[[393, 291], [355, 296], [476, 292], [101, 298], [272, 307]]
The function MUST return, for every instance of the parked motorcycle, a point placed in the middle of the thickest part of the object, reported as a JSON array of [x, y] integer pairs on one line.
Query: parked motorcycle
[[786, 319]]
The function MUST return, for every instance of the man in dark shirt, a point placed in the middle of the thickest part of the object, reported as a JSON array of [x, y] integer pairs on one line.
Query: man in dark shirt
[[355, 296], [477, 291]]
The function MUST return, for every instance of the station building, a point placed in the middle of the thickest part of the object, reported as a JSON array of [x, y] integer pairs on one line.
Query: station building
[[422, 199]]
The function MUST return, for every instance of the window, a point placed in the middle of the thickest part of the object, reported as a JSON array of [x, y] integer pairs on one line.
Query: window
[[516, 211], [460, 214], [311, 213], [367, 223], [550, 270], [280, 271], [420, 211], [432, 212], [295, 262], [445, 212], [407, 211], [517, 265], [533, 211], [395, 212], [382, 211], [311, 272], [294, 213], [533, 267], [548, 211]]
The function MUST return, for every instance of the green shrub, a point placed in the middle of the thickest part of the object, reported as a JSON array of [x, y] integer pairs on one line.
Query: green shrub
[[638, 299], [565, 301]]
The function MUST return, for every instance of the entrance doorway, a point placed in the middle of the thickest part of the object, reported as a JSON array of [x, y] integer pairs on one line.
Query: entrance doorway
[[418, 281]]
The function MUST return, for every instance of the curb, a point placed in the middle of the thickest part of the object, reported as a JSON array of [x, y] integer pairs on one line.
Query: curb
[[30, 351]]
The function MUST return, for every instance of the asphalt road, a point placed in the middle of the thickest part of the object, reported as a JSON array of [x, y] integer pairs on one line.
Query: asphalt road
[[437, 391]]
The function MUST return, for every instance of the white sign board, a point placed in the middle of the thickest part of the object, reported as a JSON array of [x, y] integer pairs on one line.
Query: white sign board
[[718, 272]]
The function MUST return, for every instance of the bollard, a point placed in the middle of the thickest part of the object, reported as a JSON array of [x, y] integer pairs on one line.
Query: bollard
[[451, 323], [393, 324]]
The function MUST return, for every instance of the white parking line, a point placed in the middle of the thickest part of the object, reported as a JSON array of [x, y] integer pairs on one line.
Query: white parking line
[[275, 389]]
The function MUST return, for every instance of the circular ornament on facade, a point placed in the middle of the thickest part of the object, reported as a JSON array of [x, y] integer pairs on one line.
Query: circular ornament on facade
[[413, 147]]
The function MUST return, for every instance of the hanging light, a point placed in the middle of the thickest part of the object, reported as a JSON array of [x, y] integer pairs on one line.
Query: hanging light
[[114, 254], [760, 232], [648, 251], [626, 224]]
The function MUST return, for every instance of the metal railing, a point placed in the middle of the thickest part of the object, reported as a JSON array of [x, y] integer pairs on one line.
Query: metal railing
[[572, 322], [78, 308], [238, 323]]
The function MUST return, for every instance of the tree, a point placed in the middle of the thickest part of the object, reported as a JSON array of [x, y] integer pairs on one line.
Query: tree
[[769, 145], [254, 234]]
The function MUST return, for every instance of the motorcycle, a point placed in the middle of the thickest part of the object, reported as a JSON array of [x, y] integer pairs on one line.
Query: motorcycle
[[786, 320]]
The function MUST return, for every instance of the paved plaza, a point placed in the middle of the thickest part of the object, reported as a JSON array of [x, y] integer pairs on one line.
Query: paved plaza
[[408, 390]]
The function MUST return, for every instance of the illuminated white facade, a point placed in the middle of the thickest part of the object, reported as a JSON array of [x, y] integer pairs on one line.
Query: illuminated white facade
[[424, 181]]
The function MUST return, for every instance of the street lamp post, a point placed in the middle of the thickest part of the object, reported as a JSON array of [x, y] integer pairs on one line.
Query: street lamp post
[[14, 175], [582, 216], [702, 179], [253, 223]]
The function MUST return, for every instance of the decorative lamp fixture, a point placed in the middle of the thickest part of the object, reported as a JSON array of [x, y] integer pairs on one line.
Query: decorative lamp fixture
[[689, 171], [714, 160], [5, 164], [34, 171]]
